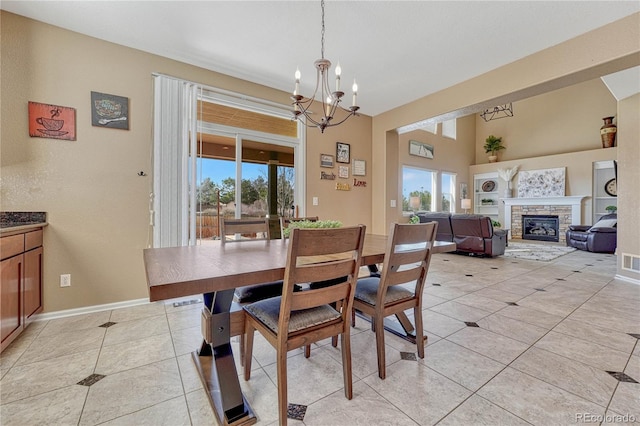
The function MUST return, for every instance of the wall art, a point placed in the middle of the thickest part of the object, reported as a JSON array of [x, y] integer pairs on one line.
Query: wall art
[[326, 160], [463, 191], [420, 149], [343, 172], [52, 121], [343, 154], [109, 111], [359, 168], [541, 183]]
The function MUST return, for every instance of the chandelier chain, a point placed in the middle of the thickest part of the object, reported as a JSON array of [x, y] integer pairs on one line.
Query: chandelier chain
[[322, 32]]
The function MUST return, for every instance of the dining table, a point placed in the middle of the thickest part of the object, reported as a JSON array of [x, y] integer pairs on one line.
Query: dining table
[[215, 270]]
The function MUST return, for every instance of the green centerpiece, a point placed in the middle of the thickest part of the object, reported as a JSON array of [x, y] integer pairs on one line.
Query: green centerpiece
[[312, 224]]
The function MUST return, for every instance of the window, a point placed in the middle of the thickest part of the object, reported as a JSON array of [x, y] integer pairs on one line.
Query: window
[[448, 192], [418, 189], [449, 128], [217, 153]]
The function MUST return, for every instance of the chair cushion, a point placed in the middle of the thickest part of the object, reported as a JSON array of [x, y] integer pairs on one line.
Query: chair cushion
[[367, 291], [268, 312], [253, 293]]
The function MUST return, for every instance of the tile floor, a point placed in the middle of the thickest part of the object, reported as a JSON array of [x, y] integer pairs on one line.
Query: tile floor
[[510, 342]]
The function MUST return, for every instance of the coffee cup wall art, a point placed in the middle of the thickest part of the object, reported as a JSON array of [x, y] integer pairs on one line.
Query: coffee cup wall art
[[109, 111], [52, 121]]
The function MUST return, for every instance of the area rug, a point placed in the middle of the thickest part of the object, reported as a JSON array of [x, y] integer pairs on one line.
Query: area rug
[[541, 252]]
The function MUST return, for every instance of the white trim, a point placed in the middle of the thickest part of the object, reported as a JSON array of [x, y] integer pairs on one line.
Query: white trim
[[90, 309], [575, 201], [627, 279]]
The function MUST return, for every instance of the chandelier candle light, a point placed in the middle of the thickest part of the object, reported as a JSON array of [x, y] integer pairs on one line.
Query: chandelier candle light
[[330, 100]]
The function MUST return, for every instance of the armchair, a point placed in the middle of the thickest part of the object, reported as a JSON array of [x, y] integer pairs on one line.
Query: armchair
[[599, 238]]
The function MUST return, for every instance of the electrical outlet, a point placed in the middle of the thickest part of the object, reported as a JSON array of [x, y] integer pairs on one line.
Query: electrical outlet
[[315, 201], [65, 280]]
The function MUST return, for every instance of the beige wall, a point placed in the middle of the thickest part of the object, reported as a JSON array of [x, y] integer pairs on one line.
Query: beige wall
[[98, 208], [565, 120], [629, 180], [351, 207]]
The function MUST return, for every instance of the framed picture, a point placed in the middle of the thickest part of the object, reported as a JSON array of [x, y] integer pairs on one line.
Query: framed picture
[[52, 121], [359, 168], [326, 160], [343, 172], [343, 152], [420, 149], [109, 111]]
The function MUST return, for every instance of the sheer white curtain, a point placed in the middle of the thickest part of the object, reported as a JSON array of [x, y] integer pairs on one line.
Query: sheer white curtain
[[174, 161]]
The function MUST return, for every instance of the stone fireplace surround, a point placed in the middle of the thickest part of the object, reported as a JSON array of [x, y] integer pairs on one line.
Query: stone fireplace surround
[[568, 209]]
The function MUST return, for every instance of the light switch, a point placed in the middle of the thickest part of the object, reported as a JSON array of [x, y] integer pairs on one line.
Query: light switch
[[393, 203], [315, 201]]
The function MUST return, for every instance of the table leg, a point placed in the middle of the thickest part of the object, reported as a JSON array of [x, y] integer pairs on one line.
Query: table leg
[[215, 364]]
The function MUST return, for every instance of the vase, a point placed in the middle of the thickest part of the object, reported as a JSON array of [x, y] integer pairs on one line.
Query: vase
[[608, 133], [507, 191], [493, 158]]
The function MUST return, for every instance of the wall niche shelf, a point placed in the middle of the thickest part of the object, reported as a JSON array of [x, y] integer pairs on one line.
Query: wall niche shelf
[[485, 187], [603, 172]]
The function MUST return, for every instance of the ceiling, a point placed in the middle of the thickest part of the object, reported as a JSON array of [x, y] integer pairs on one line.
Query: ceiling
[[398, 51]]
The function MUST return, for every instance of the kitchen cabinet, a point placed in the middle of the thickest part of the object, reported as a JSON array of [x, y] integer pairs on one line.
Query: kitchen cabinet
[[21, 282]]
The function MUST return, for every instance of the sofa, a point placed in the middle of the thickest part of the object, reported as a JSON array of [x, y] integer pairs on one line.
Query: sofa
[[602, 237], [472, 233]]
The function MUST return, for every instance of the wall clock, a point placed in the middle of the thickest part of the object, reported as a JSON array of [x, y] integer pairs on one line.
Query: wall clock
[[611, 187]]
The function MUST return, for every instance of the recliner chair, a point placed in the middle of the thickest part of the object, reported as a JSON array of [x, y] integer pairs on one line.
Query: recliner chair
[[602, 237]]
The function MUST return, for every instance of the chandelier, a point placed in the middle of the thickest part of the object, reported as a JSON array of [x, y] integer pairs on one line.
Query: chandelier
[[330, 100], [500, 111]]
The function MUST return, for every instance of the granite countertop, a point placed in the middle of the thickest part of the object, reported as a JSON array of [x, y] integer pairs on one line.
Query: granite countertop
[[16, 221]]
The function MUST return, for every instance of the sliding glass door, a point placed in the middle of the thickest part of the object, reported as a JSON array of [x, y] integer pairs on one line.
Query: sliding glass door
[[265, 170]]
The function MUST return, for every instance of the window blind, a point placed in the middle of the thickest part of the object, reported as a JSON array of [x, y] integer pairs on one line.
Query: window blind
[[174, 168]]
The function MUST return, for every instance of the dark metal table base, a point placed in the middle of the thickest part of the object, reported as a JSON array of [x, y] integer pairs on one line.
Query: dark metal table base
[[243, 414], [216, 366], [404, 329]]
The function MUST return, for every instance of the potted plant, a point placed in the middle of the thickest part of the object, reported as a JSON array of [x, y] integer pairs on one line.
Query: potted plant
[[486, 202], [496, 224], [492, 145], [611, 209]]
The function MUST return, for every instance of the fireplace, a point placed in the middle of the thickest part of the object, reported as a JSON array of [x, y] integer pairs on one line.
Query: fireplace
[[540, 227]]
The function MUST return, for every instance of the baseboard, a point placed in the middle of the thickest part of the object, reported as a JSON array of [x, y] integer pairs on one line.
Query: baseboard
[[627, 279], [89, 309]]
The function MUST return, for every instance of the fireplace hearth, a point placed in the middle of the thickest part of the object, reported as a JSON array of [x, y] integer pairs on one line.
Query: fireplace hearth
[[540, 227]]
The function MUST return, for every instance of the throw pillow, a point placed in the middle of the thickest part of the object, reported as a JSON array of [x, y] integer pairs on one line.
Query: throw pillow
[[605, 223]]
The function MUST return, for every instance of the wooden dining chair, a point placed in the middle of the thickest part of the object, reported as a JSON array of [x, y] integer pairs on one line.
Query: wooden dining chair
[[239, 231], [248, 226], [243, 230], [299, 318], [400, 284]]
